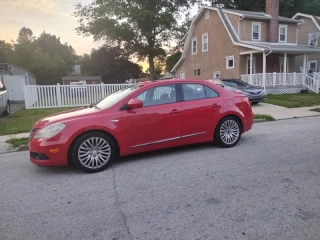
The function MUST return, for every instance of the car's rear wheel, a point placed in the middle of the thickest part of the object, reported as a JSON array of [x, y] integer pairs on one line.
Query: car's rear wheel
[[8, 109], [93, 152], [228, 132]]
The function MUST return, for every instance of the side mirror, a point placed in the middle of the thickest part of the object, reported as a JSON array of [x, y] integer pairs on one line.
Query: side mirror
[[135, 103]]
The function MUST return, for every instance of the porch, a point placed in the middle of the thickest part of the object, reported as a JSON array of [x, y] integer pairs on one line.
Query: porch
[[276, 68]]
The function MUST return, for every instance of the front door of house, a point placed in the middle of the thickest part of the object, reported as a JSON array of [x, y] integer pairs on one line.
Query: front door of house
[[282, 64], [253, 65], [312, 66]]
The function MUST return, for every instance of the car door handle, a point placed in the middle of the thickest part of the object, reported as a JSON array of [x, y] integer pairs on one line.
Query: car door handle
[[175, 111], [216, 105]]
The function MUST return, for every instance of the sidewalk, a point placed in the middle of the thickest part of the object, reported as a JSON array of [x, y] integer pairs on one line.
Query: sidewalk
[[5, 147], [280, 113]]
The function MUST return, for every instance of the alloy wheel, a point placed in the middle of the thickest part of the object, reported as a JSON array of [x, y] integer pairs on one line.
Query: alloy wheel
[[94, 152], [229, 132]]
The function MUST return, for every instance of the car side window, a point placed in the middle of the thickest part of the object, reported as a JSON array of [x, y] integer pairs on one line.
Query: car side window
[[210, 93], [193, 92], [158, 95]]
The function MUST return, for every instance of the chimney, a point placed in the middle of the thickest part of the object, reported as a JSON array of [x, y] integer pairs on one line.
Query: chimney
[[272, 8]]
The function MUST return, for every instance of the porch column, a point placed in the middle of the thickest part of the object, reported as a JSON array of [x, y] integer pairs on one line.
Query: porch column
[[285, 69], [251, 67], [264, 70], [304, 71], [304, 63]]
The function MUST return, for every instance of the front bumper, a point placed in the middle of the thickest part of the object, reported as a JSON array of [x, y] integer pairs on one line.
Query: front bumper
[[49, 152]]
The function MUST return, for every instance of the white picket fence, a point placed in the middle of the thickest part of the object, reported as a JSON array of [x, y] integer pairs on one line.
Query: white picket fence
[[54, 96]]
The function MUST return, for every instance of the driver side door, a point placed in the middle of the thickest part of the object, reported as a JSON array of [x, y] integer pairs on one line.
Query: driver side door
[[157, 124]]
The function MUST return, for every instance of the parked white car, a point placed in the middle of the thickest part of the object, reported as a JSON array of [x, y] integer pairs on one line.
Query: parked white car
[[4, 100]]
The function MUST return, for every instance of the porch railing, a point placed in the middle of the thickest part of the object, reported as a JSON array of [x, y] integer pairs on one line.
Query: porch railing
[[275, 79], [312, 82]]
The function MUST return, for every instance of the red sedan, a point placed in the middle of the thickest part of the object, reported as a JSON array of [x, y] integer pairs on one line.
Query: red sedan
[[141, 118]]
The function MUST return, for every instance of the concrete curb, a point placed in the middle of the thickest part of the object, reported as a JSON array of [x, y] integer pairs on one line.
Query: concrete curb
[[261, 121]]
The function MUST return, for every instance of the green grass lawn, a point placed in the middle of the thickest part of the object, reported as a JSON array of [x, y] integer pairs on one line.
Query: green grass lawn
[[294, 100], [17, 142], [22, 120], [315, 110], [264, 116]]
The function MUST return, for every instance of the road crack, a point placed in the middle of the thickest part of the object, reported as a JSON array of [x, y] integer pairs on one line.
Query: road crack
[[123, 216]]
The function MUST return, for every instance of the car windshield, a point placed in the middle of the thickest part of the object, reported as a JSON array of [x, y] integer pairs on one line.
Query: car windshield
[[116, 97], [234, 83]]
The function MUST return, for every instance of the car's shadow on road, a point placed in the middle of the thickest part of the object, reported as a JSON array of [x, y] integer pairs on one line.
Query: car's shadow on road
[[164, 152], [147, 156]]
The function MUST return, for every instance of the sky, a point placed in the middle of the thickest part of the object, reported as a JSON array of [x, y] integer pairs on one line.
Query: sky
[[53, 16]]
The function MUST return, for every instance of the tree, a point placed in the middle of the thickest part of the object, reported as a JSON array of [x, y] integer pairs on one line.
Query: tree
[[25, 35], [46, 57], [6, 52], [111, 64], [141, 27], [172, 60], [52, 45]]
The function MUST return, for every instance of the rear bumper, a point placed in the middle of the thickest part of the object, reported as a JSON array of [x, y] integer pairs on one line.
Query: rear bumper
[[41, 151]]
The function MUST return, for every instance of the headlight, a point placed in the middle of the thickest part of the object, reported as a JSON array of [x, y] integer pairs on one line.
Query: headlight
[[50, 131]]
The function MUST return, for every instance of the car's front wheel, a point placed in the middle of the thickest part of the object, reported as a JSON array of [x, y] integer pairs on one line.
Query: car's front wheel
[[93, 152], [228, 132], [8, 109]]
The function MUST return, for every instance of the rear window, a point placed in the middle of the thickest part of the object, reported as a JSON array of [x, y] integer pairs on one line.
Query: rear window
[[234, 83]]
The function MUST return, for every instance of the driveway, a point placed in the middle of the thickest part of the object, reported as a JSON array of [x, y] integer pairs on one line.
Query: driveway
[[14, 108], [265, 188]]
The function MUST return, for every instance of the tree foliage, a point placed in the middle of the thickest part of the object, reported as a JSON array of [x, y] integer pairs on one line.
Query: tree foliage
[[172, 60], [111, 64], [141, 27], [46, 57]]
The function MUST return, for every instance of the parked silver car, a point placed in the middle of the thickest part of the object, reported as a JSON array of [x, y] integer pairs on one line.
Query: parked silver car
[[4, 100], [255, 94]]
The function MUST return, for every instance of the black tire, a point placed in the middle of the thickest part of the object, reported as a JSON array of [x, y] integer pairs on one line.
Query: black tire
[[218, 136], [8, 109], [86, 137]]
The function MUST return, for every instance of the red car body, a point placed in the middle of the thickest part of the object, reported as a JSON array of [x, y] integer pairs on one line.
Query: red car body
[[142, 129]]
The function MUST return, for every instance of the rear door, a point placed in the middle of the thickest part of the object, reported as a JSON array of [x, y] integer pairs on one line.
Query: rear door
[[202, 107]]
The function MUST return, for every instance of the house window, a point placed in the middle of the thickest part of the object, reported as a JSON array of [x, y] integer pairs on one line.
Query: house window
[[216, 74], [283, 33], [196, 72], [256, 31], [205, 42], [253, 65], [230, 62], [10, 69], [207, 15], [194, 46], [1, 68]]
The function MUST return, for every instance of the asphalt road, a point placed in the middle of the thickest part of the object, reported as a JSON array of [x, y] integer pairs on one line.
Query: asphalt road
[[268, 187]]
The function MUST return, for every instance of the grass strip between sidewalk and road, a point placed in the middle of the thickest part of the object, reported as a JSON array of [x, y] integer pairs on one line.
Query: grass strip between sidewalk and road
[[23, 120], [18, 142], [315, 110], [294, 100], [264, 117]]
